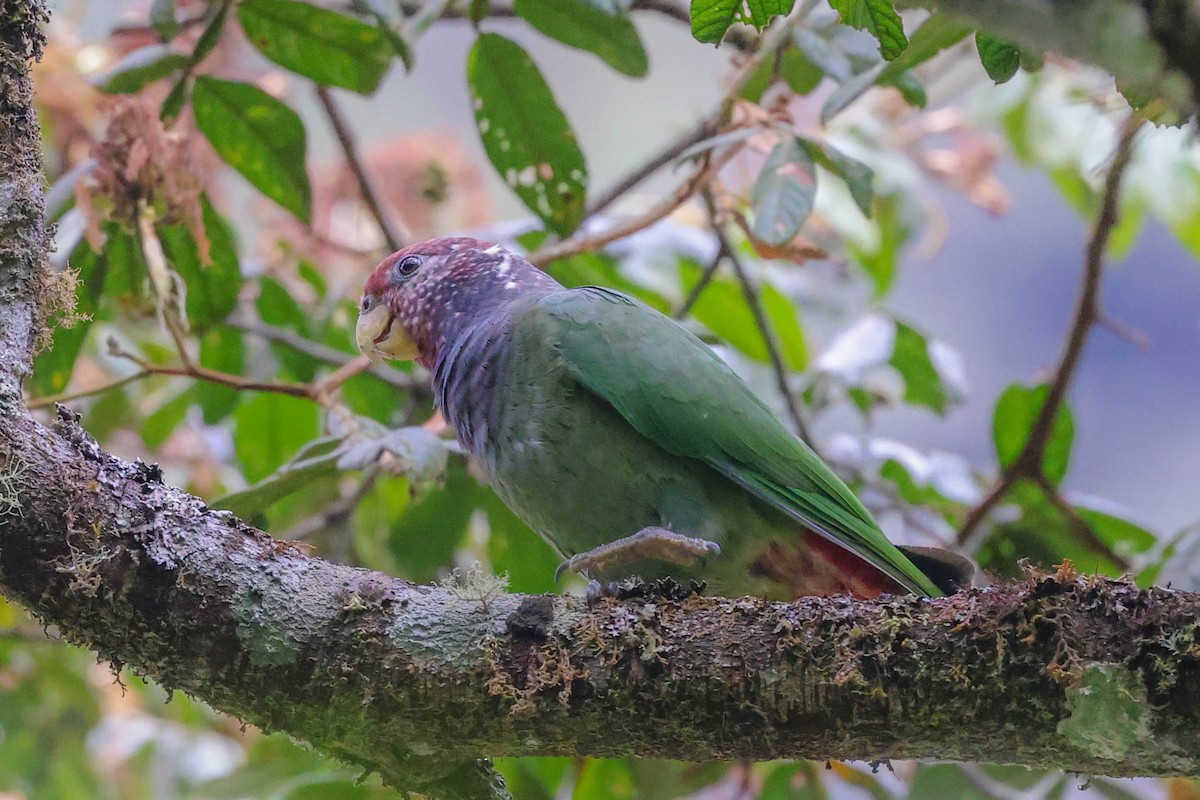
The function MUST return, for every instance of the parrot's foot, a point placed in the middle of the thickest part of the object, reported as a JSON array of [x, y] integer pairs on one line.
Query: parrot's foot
[[648, 544]]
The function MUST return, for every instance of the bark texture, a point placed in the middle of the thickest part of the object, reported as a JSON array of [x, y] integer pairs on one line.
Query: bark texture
[[1084, 674], [1081, 673]]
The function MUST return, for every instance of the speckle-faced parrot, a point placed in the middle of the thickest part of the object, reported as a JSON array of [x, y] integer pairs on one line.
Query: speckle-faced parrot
[[621, 438]]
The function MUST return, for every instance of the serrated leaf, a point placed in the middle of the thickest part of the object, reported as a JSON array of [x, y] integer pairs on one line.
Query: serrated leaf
[[923, 385], [934, 35], [140, 68], [586, 25], [259, 136], [331, 48], [763, 11], [525, 134], [784, 192], [878, 18], [712, 18], [1001, 59], [858, 177], [316, 459], [1012, 422]]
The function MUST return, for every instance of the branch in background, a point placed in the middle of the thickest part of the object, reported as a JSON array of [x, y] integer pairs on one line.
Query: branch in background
[[395, 240], [754, 300], [189, 370], [701, 131], [1086, 315], [706, 277], [405, 381], [586, 243]]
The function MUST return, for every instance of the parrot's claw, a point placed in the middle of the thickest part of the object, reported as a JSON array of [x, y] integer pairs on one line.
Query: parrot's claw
[[648, 544]]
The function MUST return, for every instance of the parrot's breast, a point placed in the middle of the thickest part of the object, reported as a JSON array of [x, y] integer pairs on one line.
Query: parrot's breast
[[575, 470]]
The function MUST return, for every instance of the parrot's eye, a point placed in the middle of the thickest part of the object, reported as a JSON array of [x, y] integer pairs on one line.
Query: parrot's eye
[[408, 265], [365, 303]]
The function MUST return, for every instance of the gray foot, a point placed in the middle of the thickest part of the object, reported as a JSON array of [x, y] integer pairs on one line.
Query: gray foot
[[648, 544]]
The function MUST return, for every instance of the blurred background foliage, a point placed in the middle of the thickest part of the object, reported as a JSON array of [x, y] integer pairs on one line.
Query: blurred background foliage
[[902, 206]]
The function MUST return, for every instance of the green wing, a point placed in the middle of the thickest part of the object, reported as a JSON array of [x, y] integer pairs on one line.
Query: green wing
[[679, 394]]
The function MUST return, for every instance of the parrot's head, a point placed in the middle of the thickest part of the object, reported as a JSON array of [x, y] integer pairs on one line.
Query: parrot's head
[[421, 296]]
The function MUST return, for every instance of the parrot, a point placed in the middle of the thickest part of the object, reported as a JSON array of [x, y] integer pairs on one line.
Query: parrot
[[622, 439]]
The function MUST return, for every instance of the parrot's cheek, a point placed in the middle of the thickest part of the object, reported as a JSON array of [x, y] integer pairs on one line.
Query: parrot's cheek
[[379, 336]]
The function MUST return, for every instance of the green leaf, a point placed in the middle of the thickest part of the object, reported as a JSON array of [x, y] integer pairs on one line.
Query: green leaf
[[880, 264], [722, 308], [222, 349], [527, 137], [590, 26], [712, 18], [316, 459], [923, 385], [783, 193], [859, 178], [763, 11], [169, 416], [934, 35], [140, 68], [878, 18], [1000, 59], [1016, 411], [162, 19], [1123, 537], [794, 66], [212, 289], [258, 136], [425, 536], [270, 428], [330, 48]]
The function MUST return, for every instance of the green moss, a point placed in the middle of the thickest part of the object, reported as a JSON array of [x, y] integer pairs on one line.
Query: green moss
[[1109, 712]]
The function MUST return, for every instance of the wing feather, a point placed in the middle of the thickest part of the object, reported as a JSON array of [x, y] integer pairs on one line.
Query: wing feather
[[678, 393]]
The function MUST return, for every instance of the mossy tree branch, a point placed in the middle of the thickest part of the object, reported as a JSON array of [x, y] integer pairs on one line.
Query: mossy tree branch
[[1061, 671], [1085, 674]]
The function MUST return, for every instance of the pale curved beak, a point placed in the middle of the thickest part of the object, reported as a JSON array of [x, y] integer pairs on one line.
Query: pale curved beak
[[378, 336]]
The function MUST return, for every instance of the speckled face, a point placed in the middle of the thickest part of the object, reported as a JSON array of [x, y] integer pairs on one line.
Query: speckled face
[[419, 296]]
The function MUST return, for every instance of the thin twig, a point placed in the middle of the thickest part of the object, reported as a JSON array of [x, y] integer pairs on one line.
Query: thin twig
[[338, 122], [1028, 464], [190, 370], [405, 381], [67, 397], [705, 279], [1084, 532], [698, 133], [591, 242], [754, 300]]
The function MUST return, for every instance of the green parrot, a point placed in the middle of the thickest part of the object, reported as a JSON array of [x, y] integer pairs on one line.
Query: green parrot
[[622, 439]]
